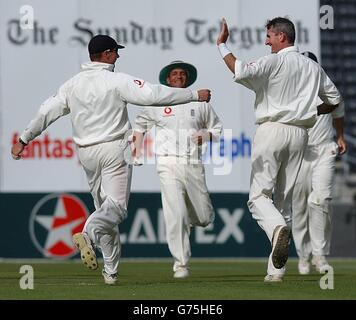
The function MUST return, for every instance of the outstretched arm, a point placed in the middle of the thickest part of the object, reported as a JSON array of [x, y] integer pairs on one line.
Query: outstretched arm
[[17, 149], [226, 54], [52, 109], [140, 92]]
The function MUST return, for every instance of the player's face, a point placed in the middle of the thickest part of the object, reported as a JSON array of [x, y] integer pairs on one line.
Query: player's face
[[273, 40], [177, 78]]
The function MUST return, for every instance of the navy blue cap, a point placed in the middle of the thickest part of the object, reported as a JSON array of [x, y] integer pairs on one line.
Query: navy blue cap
[[101, 42]]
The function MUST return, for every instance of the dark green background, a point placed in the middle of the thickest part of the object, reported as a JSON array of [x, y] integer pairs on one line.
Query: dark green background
[[15, 209]]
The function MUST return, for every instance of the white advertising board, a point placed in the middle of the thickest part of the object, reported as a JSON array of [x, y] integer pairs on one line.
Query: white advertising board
[[35, 62]]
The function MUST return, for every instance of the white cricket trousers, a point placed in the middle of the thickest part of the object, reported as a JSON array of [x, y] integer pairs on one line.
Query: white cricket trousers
[[109, 178], [277, 154], [185, 202], [312, 196]]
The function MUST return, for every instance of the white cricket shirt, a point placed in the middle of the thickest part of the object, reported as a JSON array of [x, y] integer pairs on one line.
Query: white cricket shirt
[[287, 87], [175, 126]]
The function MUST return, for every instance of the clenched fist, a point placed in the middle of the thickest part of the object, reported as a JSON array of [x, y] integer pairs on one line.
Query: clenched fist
[[204, 95], [16, 150]]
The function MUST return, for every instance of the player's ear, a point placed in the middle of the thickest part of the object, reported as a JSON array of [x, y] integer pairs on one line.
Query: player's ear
[[282, 37]]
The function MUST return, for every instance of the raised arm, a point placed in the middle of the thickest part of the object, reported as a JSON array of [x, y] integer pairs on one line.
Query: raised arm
[[226, 54]]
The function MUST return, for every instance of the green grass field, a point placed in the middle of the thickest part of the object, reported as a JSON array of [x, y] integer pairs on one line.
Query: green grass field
[[209, 280]]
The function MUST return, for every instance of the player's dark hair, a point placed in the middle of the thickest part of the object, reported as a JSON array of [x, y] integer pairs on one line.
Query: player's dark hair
[[284, 25], [95, 56]]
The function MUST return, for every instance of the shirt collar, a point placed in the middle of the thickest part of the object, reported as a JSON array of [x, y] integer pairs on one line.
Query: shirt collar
[[288, 49], [93, 65]]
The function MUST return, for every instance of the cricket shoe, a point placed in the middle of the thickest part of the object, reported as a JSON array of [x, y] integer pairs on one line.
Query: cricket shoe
[[273, 278], [280, 245], [303, 266], [320, 263], [181, 273], [87, 253], [110, 279]]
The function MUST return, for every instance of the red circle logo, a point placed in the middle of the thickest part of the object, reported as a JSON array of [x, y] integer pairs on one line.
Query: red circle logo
[[167, 110], [139, 83], [54, 220]]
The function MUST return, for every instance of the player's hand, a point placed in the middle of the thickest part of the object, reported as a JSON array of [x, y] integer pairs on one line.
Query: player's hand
[[204, 95], [16, 150], [201, 136], [342, 145], [224, 32], [134, 151]]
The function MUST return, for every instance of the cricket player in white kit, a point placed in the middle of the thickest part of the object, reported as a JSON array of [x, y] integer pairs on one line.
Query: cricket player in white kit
[[182, 133], [311, 206], [287, 87], [96, 99]]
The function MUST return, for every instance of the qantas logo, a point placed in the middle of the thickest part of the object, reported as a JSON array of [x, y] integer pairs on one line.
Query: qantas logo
[[45, 147], [53, 221]]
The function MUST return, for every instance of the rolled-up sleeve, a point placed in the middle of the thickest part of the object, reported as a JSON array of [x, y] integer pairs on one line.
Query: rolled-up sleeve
[[339, 112], [327, 90], [249, 74]]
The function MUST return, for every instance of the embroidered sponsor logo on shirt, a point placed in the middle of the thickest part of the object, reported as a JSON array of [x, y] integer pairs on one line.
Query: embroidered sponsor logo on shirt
[[192, 112], [168, 112], [139, 82]]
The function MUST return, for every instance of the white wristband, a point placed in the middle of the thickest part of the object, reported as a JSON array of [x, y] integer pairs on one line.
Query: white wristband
[[195, 95], [224, 50]]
